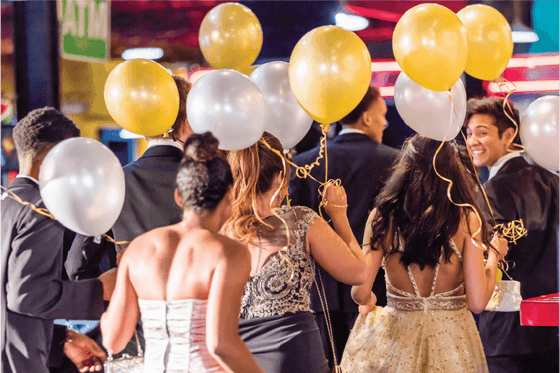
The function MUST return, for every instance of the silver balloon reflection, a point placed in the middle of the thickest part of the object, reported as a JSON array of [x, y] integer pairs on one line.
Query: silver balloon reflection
[[228, 104], [429, 112], [539, 131], [82, 184], [286, 118]]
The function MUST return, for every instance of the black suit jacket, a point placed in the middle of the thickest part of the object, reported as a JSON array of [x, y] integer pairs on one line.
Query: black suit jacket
[[363, 166], [33, 294], [523, 191]]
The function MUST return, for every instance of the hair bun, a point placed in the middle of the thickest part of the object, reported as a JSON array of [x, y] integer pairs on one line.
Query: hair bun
[[201, 147]]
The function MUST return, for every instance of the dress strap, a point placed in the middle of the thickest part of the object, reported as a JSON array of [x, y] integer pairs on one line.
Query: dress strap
[[456, 250], [416, 291]]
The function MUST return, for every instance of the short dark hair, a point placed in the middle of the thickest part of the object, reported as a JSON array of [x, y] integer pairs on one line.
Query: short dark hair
[[184, 88], [494, 106], [204, 175], [41, 128], [371, 96]]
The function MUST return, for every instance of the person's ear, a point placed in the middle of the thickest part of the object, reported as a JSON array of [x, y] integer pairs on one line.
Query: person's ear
[[178, 199], [508, 135]]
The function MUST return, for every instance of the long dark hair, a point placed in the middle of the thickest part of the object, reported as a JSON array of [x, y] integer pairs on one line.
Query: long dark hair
[[414, 206]]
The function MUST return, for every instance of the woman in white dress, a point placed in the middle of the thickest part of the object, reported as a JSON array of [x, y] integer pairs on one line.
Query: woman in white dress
[[186, 280], [432, 252]]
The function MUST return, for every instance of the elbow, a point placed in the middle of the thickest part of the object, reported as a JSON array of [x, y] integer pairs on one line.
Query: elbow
[[360, 275], [476, 310], [219, 349], [476, 305], [359, 295]]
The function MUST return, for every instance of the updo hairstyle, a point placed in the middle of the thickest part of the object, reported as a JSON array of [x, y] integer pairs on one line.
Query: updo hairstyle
[[204, 175]]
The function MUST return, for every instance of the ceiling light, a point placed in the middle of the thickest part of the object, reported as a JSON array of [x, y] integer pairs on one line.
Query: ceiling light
[[145, 53], [523, 34], [351, 22]]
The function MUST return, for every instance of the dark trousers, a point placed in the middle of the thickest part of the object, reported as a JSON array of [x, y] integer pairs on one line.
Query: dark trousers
[[545, 362], [342, 323]]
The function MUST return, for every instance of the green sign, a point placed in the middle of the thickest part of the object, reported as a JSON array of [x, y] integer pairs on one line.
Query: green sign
[[85, 30]]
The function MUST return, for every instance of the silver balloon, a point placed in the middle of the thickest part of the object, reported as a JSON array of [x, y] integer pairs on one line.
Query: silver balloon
[[228, 104], [539, 131], [429, 112], [82, 185], [286, 119]]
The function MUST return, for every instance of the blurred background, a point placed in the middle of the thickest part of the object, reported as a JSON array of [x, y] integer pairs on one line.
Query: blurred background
[[64, 63]]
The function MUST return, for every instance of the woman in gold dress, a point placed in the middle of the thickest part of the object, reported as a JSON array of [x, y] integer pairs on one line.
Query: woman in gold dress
[[433, 254]]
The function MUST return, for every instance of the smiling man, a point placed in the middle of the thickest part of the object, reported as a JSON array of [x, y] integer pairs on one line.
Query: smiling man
[[517, 190]]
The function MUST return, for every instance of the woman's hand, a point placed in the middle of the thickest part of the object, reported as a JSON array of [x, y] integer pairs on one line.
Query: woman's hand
[[367, 308], [334, 200], [501, 244]]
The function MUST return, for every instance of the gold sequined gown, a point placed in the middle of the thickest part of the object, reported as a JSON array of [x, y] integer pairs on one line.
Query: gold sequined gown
[[416, 334]]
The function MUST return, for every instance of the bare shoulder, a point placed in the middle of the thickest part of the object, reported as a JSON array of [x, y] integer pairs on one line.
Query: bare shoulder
[[148, 242]]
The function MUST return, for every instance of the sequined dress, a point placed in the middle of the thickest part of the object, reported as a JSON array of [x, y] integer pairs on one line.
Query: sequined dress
[[175, 334], [417, 334], [276, 321]]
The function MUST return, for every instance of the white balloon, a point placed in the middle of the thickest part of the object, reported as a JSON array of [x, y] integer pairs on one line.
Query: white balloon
[[82, 184], [429, 112], [228, 104], [539, 131], [286, 118]]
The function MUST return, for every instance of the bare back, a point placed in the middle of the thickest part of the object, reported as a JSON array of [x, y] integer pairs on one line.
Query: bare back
[[174, 263], [450, 274]]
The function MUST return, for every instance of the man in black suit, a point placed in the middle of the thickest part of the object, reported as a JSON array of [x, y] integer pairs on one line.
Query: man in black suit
[[149, 200], [517, 190], [356, 157], [33, 293]]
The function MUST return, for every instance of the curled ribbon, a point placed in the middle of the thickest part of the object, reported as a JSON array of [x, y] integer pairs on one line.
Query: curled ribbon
[[504, 89]]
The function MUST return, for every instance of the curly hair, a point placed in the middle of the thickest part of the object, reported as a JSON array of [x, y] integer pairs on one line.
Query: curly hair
[[204, 175], [42, 128], [414, 205], [254, 170]]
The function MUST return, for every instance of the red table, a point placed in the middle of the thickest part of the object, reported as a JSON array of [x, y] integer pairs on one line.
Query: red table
[[541, 311]]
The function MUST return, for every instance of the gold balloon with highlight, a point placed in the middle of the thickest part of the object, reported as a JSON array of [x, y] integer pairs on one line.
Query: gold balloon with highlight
[[489, 41], [330, 71], [430, 45], [230, 37], [142, 97]]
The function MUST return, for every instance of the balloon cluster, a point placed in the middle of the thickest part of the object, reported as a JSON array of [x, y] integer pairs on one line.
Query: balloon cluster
[[433, 46], [328, 75]]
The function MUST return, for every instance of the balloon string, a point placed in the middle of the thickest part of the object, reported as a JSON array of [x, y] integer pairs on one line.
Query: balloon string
[[504, 89], [513, 230], [40, 210], [45, 212], [450, 182]]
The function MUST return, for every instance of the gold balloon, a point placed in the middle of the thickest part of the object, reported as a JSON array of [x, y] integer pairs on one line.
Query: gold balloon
[[142, 97], [230, 37], [489, 41], [330, 71], [498, 275], [430, 45]]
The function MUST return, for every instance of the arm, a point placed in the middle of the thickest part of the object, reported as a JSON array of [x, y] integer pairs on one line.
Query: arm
[[85, 256], [362, 294], [119, 321], [222, 315], [480, 278], [338, 252], [34, 287]]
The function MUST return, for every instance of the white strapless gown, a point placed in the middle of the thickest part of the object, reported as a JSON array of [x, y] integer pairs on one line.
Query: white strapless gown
[[175, 334]]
